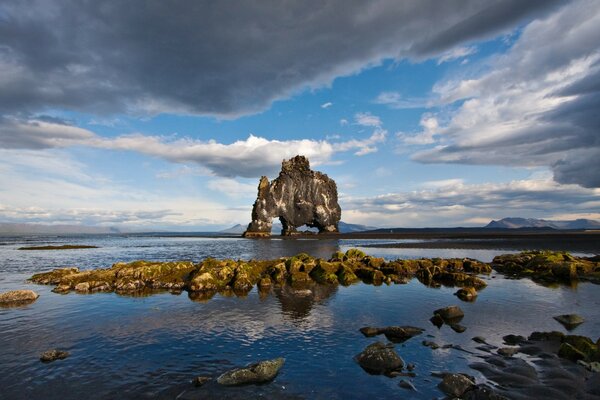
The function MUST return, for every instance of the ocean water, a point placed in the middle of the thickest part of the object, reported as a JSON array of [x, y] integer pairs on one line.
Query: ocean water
[[152, 347]]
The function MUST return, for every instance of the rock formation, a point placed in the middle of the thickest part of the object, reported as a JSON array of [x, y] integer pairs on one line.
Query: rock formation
[[298, 196]]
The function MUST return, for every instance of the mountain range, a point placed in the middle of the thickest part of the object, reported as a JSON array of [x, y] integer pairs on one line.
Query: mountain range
[[516, 223]]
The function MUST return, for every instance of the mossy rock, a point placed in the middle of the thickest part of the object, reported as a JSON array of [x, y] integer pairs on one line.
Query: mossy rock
[[246, 276], [346, 275], [337, 256], [583, 344], [570, 352], [374, 262], [278, 273], [326, 272], [354, 254], [299, 279], [53, 277], [213, 275]]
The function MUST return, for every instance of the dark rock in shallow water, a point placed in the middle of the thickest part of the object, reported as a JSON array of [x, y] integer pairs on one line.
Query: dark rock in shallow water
[[458, 328], [18, 297], [451, 314], [570, 321], [201, 380], [298, 196], [456, 385], [430, 344], [479, 339], [404, 384], [437, 320], [513, 339], [53, 355], [483, 392], [467, 294], [396, 334], [261, 372], [508, 351], [379, 358]]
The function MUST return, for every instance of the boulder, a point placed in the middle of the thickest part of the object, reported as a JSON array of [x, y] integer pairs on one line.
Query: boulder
[[298, 196], [395, 334], [18, 297], [570, 321], [260, 372], [379, 358], [467, 293], [450, 315], [455, 385], [53, 355]]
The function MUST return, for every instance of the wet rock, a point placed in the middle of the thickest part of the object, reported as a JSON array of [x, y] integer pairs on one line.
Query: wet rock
[[467, 293], [479, 339], [346, 275], [201, 380], [53, 355], [450, 313], [430, 344], [483, 392], [410, 366], [261, 372], [379, 358], [593, 366], [458, 328], [570, 321], [553, 336], [18, 297], [404, 384], [513, 339], [456, 385], [395, 334], [298, 196], [508, 351], [326, 272], [437, 320]]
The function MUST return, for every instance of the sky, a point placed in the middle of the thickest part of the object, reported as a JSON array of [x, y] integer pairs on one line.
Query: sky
[[164, 115]]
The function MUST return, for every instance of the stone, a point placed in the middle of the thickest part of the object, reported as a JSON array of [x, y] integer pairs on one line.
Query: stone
[[450, 313], [456, 385], [508, 351], [260, 372], [513, 339], [437, 320], [479, 339], [18, 297], [570, 321], [298, 196], [458, 328], [404, 384], [53, 355], [370, 331], [570, 352], [201, 380], [430, 344], [467, 293], [379, 358], [483, 392], [399, 334]]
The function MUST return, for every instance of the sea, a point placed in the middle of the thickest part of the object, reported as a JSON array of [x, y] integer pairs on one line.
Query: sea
[[152, 347]]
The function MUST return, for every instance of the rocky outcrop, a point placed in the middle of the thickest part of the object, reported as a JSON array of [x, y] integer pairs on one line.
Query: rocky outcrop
[[53, 355], [298, 196]]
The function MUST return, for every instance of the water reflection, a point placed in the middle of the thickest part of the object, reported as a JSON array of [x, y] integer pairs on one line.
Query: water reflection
[[297, 303]]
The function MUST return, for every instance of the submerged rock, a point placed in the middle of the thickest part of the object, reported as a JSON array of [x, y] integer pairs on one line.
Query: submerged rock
[[379, 358], [570, 321], [298, 196], [467, 294], [18, 297], [53, 355], [395, 334], [201, 380], [404, 384], [450, 313], [261, 372]]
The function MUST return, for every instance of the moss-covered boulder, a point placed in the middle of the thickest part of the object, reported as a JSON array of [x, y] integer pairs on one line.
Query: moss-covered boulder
[[354, 254], [53, 277], [213, 275], [346, 275], [326, 272]]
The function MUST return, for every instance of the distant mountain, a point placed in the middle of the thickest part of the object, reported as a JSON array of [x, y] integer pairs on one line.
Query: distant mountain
[[41, 229], [516, 223], [276, 229]]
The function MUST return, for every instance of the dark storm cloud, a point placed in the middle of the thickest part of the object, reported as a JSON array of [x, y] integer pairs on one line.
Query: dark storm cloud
[[536, 106], [217, 58]]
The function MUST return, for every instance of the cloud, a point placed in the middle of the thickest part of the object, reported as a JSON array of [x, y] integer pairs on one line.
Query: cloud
[[367, 119], [430, 126], [396, 101], [451, 202], [326, 105], [537, 105], [252, 157], [456, 53], [149, 56]]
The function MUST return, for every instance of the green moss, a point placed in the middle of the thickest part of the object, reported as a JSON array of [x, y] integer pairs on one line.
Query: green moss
[[354, 254]]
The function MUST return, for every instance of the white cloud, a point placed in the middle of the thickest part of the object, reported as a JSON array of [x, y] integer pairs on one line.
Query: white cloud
[[536, 105], [396, 101], [326, 105], [252, 157], [456, 53], [430, 126], [343, 122], [453, 203], [367, 119], [233, 188]]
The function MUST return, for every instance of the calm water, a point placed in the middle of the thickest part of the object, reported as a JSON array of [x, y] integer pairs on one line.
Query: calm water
[[151, 347]]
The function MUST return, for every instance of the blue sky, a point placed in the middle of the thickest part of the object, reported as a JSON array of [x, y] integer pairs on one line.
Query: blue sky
[[424, 114]]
